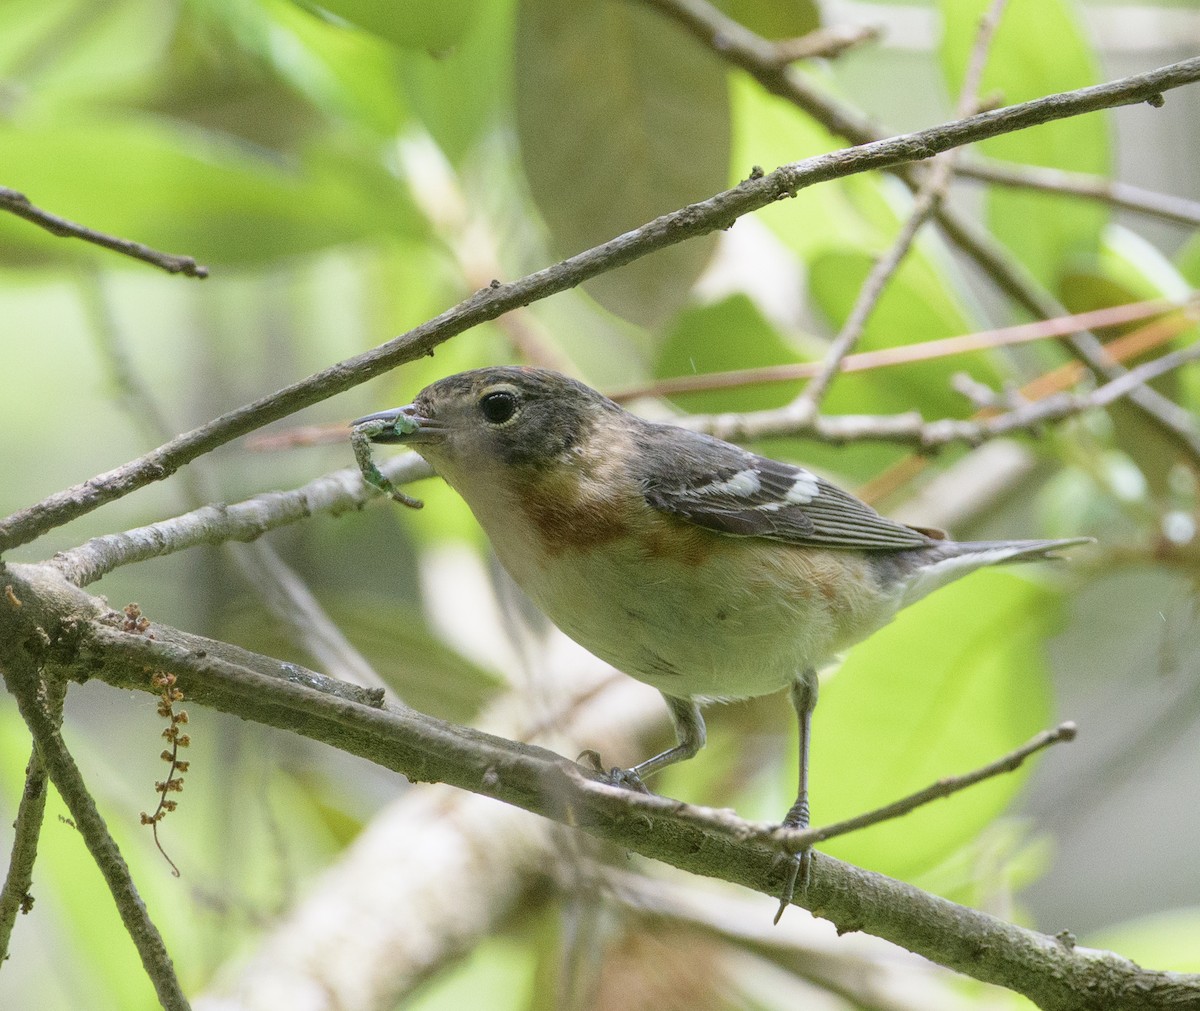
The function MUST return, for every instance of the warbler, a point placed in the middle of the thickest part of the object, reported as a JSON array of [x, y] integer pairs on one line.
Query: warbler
[[689, 563]]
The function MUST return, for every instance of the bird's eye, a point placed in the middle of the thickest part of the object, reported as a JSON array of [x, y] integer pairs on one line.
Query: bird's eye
[[498, 406]]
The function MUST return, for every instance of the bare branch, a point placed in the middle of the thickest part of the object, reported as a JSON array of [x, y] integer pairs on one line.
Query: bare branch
[[1126, 196], [19, 204], [15, 896], [828, 42], [863, 361], [217, 523], [794, 840], [699, 840], [23, 678], [733, 42], [717, 212], [913, 429], [929, 196]]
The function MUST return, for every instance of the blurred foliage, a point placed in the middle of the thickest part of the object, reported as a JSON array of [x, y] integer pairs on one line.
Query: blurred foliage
[[347, 170]]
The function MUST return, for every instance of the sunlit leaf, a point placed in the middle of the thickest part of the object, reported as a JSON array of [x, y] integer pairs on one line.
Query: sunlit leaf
[[1044, 230], [1128, 269], [730, 334], [956, 681], [432, 27], [183, 192]]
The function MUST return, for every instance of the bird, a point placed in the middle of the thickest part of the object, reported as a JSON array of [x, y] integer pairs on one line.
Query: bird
[[689, 563]]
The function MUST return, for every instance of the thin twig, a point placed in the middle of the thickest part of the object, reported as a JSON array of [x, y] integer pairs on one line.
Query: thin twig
[[1127, 346], [216, 523], [827, 42], [862, 361], [793, 840], [20, 205], [24, 682], [717, 212], [16, 896], [913, 429], [1126, 196], [927, 199]]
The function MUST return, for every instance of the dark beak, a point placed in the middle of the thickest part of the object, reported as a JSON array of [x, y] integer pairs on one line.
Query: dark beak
[[399, 425]]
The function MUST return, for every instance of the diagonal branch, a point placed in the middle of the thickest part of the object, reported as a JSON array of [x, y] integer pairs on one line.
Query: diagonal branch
[[717, 212], [927, 199], [794, 840]]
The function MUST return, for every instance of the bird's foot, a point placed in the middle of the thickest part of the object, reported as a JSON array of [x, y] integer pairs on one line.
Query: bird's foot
[[627, 778], [799, 864]]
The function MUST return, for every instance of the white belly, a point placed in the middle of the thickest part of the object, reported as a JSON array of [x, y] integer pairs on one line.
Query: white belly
[[696, 631]]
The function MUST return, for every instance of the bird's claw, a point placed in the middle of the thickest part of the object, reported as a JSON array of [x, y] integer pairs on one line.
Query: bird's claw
[[627, 778], [799, 873]]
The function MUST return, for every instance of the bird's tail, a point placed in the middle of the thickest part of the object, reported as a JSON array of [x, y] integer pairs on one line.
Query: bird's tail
[[931, 568]]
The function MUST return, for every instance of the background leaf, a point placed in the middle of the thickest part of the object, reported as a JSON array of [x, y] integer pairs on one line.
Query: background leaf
[[1044, 230], [614, 136], [948, 686]]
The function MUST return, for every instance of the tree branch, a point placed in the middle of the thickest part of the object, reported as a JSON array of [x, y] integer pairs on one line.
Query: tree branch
[[904, 354], [698, 840], [333, 494], [21, 625], [20, 205], [1126, 196], [717, 212], [15, 896], [794, 840]]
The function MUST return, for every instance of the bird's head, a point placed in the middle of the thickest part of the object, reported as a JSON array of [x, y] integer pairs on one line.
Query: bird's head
[[507, 415]]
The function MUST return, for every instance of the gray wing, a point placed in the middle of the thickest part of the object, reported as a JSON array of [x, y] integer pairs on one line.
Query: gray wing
[[723, 487]]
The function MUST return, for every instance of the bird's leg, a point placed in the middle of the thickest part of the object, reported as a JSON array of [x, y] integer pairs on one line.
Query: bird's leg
[[689, 733], [804, 700]]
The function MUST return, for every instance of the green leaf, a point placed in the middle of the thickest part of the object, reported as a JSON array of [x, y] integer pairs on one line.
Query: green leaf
[[730, 334], [432, 27], [1188, 261], [954, 682], [1044, 230], [917, 305], [1129, 269], [458, 94], [275, 74], [1168, 941], [769, 132], [58, 53], [622, 117], [184, 192]]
